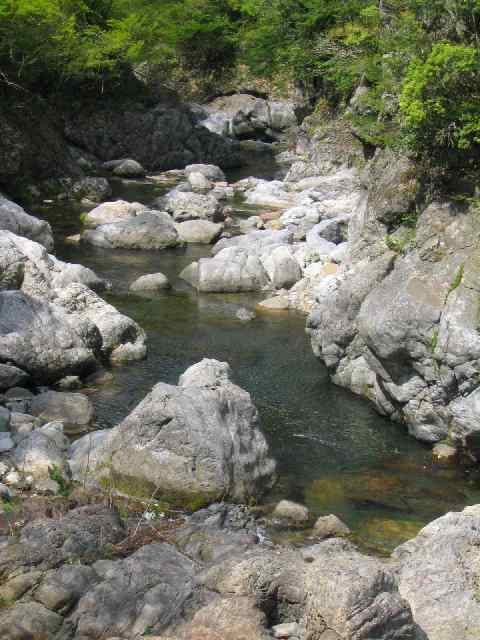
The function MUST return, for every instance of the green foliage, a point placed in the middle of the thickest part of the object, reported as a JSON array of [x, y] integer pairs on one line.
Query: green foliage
[[457, 280], [417, 59], [440, 100], [64, 486]]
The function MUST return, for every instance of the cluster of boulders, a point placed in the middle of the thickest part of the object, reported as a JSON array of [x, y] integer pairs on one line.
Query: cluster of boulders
[[217, 577], [193, 212], [245, 116], [55, 331]]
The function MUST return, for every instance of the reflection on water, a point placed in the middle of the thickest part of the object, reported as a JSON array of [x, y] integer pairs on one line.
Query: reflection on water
[[334, 452]]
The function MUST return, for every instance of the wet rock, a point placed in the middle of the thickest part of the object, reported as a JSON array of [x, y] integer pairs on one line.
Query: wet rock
[[291, 512], [197, 442], [147, 230], [4, 419], [129, 168], [438, 574], [75, 410], [151, 282], [69, 383], [444, 453], [245, 315], [91, 189], [13, 218], [199, 231], [276, 303], [108, 212], [330, 527], [11, 376]]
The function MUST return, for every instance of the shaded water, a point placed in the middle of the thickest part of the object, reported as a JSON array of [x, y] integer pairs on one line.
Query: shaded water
[[334, 452]]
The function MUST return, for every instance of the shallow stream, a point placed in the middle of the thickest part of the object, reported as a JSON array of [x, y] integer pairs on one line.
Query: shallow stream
[[334, 452]]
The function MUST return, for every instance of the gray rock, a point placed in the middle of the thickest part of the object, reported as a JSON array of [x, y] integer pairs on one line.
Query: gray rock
[[291, 512], [191, 206], [42, 340], [13, 218], [199, 182], [115, 211], [29, 620], [6, 442], [75, 410], [26, 265], [147, 230], [197, 441], [148, 590], [151, 282], [330, 527], [256, 242], [61, 588], [245, 315], [92, 189], [438, 573], [231, 270], [78, 537], [11, 376], [129, 168], [121, 339], [199, 231], [38, 454], [210, 171], [4, 419]]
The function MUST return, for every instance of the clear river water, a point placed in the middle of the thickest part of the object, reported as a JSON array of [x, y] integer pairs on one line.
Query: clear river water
[[334, 452]]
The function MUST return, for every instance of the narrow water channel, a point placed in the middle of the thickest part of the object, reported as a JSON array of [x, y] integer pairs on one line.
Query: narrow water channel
[[334, 453]]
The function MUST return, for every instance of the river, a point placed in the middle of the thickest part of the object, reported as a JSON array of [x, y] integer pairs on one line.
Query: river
[[334, 452]]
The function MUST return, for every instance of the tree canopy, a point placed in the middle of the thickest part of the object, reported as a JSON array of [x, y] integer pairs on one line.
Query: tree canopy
[[418, 59]]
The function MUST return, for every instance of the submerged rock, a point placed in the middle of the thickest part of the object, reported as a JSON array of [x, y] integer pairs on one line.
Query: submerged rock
[[151, 282], [194, 443]]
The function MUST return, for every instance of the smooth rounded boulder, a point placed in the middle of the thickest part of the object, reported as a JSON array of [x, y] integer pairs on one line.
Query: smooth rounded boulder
[[151, 282], [148, 230]]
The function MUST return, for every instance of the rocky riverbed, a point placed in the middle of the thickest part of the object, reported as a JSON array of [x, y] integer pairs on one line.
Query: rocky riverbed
[[118, 472]]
